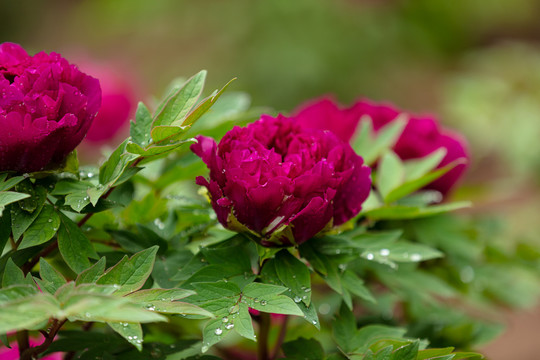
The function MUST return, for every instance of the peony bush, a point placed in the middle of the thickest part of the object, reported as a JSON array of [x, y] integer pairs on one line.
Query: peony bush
[[329, 233]]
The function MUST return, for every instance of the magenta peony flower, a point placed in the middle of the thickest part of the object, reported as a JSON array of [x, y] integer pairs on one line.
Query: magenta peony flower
[[282, 183], [421, 136], [46, 108]]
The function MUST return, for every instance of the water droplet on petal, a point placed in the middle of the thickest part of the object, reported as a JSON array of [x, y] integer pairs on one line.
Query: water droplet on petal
[[369, 256], [297, 299], [225, 319], [385, 252], [229, 326], [218, 331], [263, 302]]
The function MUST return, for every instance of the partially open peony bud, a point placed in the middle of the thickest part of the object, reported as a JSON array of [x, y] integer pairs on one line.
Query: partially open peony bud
[[421, 136], [46, 108], [282, 183]]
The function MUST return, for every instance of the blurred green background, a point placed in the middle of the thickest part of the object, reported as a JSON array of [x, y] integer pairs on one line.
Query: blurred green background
[[475, 63]]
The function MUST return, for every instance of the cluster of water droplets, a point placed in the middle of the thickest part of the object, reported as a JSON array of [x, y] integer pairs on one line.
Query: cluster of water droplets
[[135, 339]]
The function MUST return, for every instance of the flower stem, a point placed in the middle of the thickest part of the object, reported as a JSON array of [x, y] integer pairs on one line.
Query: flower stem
[[22, 341], [281, 338], [31, 353], [262, 343]]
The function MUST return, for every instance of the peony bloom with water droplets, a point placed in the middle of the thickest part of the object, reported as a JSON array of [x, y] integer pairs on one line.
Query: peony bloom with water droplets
[[46, 108], [281, 183]]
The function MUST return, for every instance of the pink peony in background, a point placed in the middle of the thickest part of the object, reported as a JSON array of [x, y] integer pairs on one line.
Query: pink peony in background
[[118, 100], [422, 134]]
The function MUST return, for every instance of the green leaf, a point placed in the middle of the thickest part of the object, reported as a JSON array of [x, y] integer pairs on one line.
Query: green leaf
[[140, 129], [51, 279], [92, 274], [213, 332], [15, 276], [130, 274], [88, 306], [344, 329], [164, 301], [21, 219], [324, 266], [295, 275], [216, 291], [400, 212], [303, 349], [434, 353], [384, 353], [356, 286], [5, 228], [468, 355], [68, 186], [310, 314], [416, 168], [410, 186], [74, 246], [205, 105], [8, 197], [43, 228], [167, 134], [407, 352], [113, 168], [32, 203], [27, 312], [235, 253], [370, 334], [370, 149], [266, 298], [180, 103], [9, 183], [16, 292], [78, 200], [401, 251], [156, 150], [390, 174], [132, 332], [243, 324]]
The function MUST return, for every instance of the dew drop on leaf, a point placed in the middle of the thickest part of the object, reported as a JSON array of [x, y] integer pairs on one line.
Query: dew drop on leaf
[[416, 257]]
